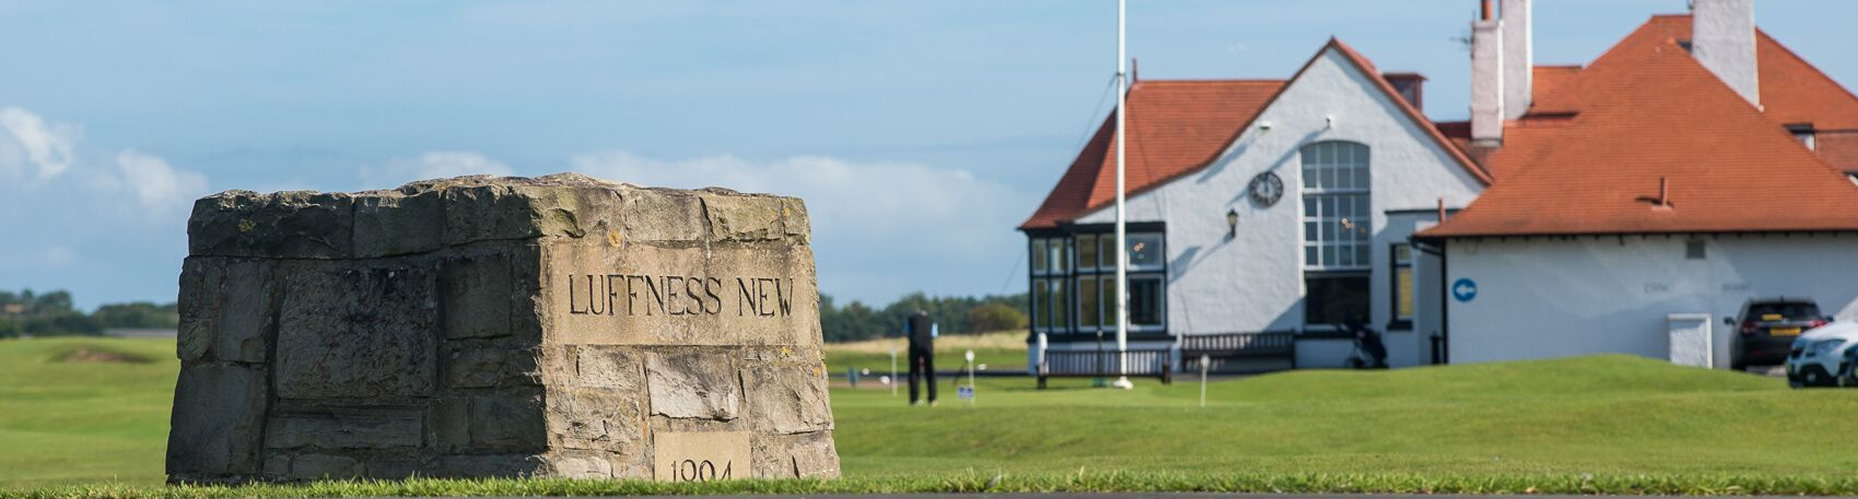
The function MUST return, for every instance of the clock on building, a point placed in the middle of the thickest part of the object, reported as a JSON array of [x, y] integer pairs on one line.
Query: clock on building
[[1266, 189]]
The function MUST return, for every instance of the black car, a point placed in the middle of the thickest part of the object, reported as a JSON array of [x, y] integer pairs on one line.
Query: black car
[[1766, 327]]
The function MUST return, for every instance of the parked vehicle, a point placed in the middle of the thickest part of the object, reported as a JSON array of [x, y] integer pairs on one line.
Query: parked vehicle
[[1823, 356], [1766, 329]]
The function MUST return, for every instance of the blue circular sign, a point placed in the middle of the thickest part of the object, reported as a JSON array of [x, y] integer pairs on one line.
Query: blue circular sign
[[1464, 290]]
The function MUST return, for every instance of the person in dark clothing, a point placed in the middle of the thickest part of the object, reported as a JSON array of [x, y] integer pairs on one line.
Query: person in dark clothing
[[921, 332], [1370, 343]]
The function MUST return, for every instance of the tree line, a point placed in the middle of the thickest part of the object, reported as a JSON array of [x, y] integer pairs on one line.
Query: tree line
[[52, 314], [953, 315]]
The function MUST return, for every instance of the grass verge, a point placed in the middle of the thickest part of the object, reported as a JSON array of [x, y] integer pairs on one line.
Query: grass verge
[[973, 482]]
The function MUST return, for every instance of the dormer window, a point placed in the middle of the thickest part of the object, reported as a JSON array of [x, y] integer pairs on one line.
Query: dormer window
[[1803, 132]]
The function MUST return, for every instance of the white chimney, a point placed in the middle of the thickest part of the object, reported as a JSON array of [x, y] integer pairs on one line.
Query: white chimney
[[1486, 79], [1518, 58], [1723, 39]]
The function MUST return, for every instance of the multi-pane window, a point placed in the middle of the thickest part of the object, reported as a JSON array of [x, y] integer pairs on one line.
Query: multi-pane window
[[1336, 220], [1074, 282], [1144, 251], [1402, 256], [1038, 256], [1145, 300]]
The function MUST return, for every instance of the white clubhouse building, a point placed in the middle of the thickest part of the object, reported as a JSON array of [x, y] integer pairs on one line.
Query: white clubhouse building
[[1289, 207]]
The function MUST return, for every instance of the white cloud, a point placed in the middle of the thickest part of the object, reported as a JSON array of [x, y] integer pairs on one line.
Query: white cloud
[[137, 188], [880, 229], [431, 165], [48, 147], [158, 186]]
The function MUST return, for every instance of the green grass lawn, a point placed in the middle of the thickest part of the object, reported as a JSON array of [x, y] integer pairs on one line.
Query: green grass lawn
[[1613, 423]]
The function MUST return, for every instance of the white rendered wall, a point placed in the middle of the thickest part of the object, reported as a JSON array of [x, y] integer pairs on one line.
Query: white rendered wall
[[1254, 282], [1544, 298]]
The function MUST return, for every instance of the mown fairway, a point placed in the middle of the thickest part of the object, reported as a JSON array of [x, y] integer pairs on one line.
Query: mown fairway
[[105, 420]]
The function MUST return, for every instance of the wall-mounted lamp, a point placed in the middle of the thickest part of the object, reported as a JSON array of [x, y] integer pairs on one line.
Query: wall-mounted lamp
[[1232, 223], [1264, 126]]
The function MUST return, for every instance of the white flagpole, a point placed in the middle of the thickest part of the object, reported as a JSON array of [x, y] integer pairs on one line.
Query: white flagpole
[[1122, 243]]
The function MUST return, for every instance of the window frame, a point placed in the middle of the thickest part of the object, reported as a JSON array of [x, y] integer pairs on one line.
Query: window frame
[[1309, 306], [1328, 182], [1394, 266]]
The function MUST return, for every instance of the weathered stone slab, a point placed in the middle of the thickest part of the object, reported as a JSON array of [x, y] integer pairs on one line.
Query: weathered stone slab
[[481, 326], [219, 417], [693, 385], [700, 456], [358, 333]]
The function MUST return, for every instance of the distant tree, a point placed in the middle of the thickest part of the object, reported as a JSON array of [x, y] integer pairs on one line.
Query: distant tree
[[996, 317], [9, 329], [953, 315], [136, 315]]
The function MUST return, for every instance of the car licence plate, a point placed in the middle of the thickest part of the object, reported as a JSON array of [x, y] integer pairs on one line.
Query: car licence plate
[[1784, 331]]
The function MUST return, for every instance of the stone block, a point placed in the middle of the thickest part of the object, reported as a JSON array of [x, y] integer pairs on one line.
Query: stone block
[[347, 428], [228, 313], [738, 217], [198, 297], [295, 224], [218, 419], [691, 384], [512, 422], [491, 367], [597, 419], [436, 330], [787, 399], [478, 296], [358, 333], [390, 223], [663, 215], [581, 464], [610, 366], [489, 465], [805, 455], [794, 219], [325, 466]]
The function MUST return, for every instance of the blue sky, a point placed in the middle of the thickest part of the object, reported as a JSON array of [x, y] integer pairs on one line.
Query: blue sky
[[920, 132]]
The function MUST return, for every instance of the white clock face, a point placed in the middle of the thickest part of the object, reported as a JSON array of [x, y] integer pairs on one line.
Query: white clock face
[[1266, 189]]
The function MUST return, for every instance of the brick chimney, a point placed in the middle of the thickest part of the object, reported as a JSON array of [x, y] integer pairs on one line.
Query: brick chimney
[[1723, 39], [1486, 79], [1411, 87], [1518, 57]]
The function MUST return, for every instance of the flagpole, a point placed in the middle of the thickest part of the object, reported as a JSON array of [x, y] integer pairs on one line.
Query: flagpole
[[1122, 244]]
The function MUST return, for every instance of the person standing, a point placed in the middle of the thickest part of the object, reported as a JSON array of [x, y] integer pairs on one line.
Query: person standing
[[922, 332]]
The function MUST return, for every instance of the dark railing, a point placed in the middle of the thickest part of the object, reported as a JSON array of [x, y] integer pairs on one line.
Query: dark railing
[[1221, 347], [1095, 363], [1268, 341]]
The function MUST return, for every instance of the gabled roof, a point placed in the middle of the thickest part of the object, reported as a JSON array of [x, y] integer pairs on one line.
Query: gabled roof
[[1177, 127], [1727, 167], [1792, 91]]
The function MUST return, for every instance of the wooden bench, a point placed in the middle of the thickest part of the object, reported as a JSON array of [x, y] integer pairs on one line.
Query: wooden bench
[[1102, 364], [1222, 347]]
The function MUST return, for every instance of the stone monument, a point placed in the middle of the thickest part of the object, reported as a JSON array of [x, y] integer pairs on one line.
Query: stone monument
[[483, 326]]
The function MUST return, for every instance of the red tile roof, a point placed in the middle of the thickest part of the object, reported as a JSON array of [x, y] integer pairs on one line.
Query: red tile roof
[[1792, 91], [1178, 127], [1729, 168]]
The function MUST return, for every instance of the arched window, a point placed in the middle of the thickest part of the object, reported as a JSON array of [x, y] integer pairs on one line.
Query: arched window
[[1337, 232]]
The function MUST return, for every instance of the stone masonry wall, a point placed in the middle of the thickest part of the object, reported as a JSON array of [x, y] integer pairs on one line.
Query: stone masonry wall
[[478, 326]]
